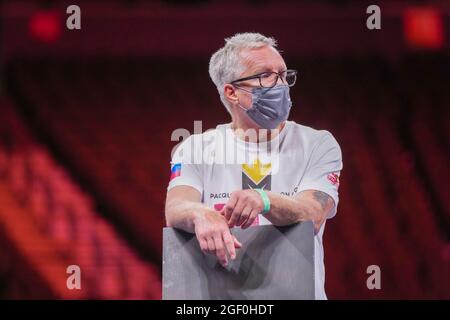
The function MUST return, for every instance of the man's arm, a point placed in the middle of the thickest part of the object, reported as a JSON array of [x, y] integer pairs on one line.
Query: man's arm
[[185, 211], [245, 205], [313, 205], [183, 205]]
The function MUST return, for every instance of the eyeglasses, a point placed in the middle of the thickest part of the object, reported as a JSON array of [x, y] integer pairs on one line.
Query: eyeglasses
[[270, 79]]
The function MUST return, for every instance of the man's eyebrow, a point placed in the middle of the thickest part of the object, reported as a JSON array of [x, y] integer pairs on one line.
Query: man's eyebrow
[[265, 69], [261, 70]]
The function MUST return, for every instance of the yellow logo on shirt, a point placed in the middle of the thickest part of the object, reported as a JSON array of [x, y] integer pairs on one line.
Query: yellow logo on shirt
[[257, 171]]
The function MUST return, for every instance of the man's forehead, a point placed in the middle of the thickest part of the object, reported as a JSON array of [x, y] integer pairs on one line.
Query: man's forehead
[[262, 59]]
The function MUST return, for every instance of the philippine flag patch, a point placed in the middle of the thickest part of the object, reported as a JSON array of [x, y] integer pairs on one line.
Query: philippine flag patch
[[175, 171], [334, 179]]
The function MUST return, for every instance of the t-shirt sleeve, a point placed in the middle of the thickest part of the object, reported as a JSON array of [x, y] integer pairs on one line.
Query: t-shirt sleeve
[[324, 169], [184, 169]]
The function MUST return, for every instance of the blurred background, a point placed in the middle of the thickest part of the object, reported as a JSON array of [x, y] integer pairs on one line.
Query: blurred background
[[86, 118]]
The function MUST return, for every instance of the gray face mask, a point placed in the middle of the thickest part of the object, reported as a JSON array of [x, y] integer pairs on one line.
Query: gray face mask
[[270, 106]]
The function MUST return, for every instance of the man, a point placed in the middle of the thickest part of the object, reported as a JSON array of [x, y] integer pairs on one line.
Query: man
[[286, 172]]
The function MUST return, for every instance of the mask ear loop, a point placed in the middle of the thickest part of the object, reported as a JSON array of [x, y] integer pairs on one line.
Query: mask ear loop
[[239, 104]]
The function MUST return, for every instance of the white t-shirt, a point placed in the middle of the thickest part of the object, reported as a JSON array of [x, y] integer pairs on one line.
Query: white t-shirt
[[300, 158]]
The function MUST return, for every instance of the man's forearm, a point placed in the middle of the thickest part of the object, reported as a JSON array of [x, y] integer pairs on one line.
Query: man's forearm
[[312, 206], [182, 214]]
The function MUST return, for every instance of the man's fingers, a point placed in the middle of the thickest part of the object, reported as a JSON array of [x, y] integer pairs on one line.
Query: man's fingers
[[203, 245], [250, 219], [237, 244], [244, 215], [220, 250], [229, 244], [236, 213], [211, 246], [229, 207]]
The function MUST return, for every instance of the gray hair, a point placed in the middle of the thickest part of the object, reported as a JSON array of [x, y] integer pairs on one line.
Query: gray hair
[[226, 65]]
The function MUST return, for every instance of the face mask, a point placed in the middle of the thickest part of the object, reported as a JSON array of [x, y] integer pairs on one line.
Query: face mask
[[270, 106]]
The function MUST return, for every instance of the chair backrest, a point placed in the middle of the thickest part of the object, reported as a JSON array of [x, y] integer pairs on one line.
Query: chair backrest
[[273, 263]]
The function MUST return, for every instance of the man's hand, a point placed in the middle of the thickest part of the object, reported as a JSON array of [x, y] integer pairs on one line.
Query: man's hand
[[243, 208], [214, 236]]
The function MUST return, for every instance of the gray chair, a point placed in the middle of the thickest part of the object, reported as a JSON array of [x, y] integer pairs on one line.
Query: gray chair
[[273, 263]]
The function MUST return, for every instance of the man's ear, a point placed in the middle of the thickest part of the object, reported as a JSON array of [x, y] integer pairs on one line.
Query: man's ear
[[229, 93]]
